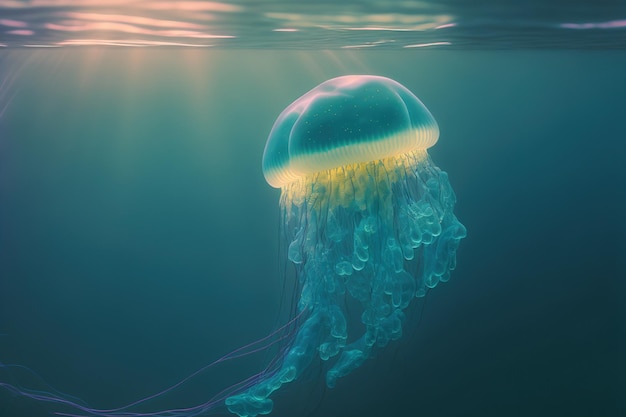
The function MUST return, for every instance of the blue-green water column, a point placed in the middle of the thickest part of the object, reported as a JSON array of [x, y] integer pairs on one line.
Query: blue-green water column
[[366, 215]]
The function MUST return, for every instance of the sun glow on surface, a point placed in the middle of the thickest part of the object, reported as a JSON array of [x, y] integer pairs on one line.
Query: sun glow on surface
[[118, 23], [197, 23]]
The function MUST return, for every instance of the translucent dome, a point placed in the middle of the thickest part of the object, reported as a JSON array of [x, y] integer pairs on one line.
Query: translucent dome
[[346, 120]]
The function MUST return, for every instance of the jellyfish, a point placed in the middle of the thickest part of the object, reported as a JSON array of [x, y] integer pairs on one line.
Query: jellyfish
[[367, 219]]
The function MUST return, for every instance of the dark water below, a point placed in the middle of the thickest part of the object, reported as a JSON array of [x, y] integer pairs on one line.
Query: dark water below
[[138, 238]]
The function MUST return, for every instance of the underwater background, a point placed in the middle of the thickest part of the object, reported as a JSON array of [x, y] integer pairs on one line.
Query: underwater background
[[139, 240]]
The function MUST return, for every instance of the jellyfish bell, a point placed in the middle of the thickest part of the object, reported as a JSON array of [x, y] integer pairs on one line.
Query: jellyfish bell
[[343, 121], [365, 214]]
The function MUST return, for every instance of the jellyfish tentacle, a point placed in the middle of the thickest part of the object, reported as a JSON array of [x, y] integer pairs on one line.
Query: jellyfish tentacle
[[255, 401], [359, 248]]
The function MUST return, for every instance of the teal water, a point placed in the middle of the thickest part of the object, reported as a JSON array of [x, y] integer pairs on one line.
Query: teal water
[[139, 240]]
